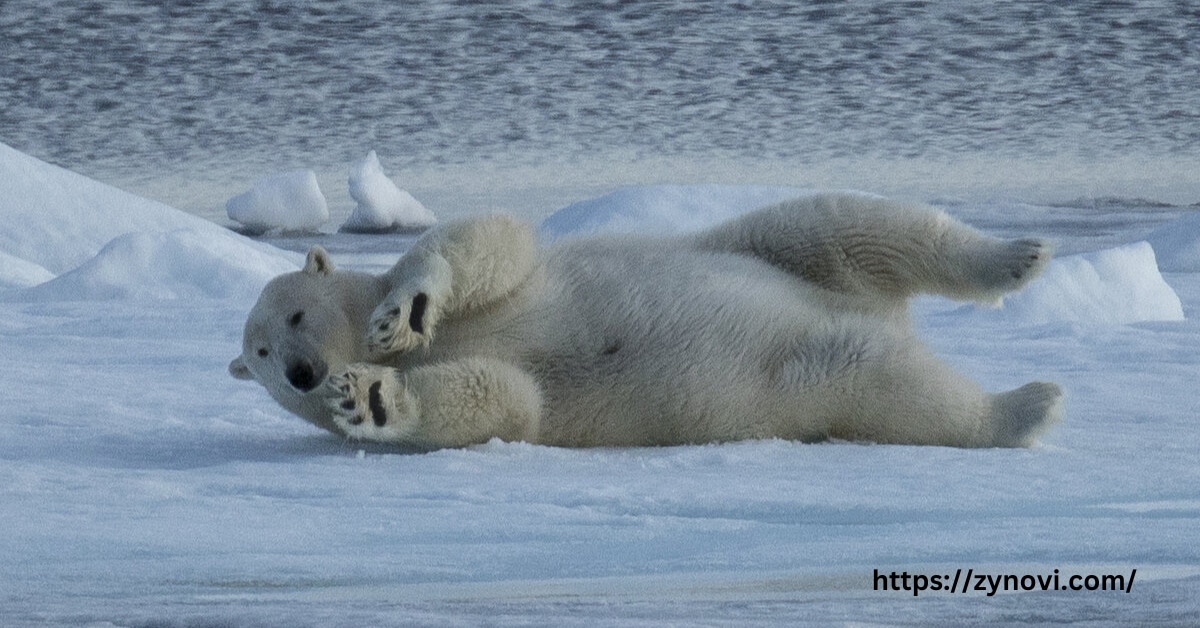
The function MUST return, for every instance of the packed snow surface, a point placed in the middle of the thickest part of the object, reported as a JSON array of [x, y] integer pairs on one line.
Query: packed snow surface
[[143, 486], [288, 201], [382, 206]]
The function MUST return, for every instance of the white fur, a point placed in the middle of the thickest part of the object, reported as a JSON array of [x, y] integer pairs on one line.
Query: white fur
[[789, 322]]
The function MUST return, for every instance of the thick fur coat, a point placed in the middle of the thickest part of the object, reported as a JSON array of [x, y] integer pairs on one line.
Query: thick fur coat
[[788, 322]]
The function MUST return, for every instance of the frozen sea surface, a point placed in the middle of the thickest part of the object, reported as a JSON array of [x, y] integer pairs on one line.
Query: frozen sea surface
[[142, 486]]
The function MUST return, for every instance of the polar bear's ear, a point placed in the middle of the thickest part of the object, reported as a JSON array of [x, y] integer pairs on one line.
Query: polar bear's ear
[[238, 369], [318, 262]]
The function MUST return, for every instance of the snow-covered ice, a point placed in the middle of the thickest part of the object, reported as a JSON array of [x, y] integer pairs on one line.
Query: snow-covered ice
[[142, 486], [288, 201], [382, 206]]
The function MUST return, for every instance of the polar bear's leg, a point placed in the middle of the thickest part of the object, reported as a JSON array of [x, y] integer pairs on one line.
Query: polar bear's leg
[[883, 250], [892, 390], [453, 269], [452, 404]]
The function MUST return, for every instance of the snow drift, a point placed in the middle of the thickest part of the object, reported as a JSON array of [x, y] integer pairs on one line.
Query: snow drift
[[57, 219], [289, 201], [183, 264], [381, 205], [81, 239], [18, 273]]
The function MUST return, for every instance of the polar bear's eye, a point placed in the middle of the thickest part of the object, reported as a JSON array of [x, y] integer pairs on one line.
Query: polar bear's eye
[[296, 318], [262, 353]]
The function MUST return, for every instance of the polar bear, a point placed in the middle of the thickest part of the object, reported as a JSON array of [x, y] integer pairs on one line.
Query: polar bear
[[788, 322]]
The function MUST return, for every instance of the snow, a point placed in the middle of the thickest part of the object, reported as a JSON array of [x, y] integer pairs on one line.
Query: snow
[[179, 264], [18, 273], [288, 201], [1114, 286], [65, 237], [381, 205], [143, 486], [57, 219], [662, 209], [1178, 243]]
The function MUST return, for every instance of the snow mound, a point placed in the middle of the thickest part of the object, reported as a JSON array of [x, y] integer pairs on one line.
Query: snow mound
[[663, 209], [381, 205], [1177, 244], [290, 201], [1110, 287], [18, 273], [183, 264], [66, 237], [56, 219]]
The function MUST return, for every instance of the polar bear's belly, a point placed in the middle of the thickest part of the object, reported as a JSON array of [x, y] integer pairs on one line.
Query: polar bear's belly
[[633, 346]]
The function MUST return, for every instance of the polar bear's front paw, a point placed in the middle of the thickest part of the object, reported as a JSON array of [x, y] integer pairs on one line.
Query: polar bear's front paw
[[403, 321], [368, 403]]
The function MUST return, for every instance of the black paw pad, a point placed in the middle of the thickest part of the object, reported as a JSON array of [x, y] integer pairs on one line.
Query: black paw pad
[[375, 401], [416, 318]]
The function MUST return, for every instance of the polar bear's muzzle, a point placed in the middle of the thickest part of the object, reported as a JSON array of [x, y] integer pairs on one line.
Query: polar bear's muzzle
[[304, 375]]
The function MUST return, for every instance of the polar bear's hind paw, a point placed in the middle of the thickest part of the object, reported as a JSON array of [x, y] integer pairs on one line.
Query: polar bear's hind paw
[[1014, 264], [1019, 416], [1027, 257]]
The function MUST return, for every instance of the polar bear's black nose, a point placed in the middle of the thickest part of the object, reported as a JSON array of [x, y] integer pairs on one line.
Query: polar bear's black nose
[[303, 376]]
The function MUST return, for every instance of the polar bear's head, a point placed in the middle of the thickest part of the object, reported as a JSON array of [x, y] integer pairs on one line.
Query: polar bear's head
[[304, 325]]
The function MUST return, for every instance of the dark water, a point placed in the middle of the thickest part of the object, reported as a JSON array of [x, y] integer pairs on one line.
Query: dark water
[[135, 86]]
